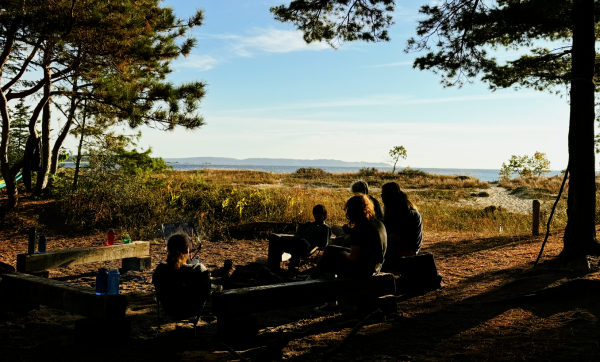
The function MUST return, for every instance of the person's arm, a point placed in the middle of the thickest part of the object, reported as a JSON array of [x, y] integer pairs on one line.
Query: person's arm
[[354, 253]]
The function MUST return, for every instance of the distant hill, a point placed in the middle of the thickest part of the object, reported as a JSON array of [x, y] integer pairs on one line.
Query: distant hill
[[273, 162]]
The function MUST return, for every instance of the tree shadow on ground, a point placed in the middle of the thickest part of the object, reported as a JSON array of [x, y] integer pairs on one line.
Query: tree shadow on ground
[[470, 330], [452, 248]]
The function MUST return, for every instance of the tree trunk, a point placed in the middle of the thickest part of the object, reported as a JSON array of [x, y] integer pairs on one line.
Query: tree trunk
[[580, 233], [78, 161], [42, 178], [63, 133], [11, 185]]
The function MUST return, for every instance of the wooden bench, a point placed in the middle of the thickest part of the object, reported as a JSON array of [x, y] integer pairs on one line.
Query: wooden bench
[[234, 307], [106, 314], [135, 255]]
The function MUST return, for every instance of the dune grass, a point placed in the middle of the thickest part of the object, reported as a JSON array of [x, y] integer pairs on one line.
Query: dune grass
[[216, 200], [540, 183]]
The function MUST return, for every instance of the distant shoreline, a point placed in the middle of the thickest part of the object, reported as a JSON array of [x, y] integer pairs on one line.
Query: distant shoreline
[[488, 175]]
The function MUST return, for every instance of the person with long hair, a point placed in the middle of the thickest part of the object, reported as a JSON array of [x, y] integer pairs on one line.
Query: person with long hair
[[342, 233], [181, 288], [366, 254], [402, 221]]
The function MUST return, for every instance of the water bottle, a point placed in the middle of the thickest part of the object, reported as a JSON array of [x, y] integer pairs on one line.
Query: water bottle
[[113, 282], [31, 244], [101, 281], [111, 237], [42, 245]]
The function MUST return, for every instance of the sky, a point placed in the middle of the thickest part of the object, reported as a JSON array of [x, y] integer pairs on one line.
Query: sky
[[272, 96]]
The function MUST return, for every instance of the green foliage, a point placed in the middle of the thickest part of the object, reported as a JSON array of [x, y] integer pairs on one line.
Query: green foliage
[[132, 162], [340, 20], [395, 154], [109, 154], [19, 131], [525, 166]]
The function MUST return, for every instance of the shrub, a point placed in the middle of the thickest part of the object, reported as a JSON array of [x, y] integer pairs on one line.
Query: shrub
[[411, 173], [525, 166], [310, 172], [368, 171]]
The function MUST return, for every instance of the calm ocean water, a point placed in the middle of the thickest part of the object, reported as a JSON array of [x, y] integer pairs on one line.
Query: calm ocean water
[[482, 174]]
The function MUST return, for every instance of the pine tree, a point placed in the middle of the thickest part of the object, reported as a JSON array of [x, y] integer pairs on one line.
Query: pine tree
[[19, 131], [114, 54]]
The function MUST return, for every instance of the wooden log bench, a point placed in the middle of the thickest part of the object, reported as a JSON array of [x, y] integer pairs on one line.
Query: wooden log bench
[[105, 314], [135, 255], [234, 308]]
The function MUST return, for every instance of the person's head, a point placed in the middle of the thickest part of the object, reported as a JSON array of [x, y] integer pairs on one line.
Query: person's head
[[394, 198], [359, 208], [360, 187], [178, 249], [320, 213]]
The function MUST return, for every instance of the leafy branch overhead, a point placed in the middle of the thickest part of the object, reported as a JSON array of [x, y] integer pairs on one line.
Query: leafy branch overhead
[[458, 34], [339, 20]]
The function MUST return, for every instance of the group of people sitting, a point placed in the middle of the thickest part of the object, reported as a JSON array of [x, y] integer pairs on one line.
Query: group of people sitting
[[359, 249]]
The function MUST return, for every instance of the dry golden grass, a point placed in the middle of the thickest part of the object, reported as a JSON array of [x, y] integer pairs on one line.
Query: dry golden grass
[[551, 184], [377, 179], [216, 200]]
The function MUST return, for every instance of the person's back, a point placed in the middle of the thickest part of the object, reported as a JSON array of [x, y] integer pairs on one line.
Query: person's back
[[181, 288], [402, 221], [371, 237]]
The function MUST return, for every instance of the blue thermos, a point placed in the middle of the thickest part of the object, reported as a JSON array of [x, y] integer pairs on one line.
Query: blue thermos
[[101, 281], [42, 244], [113, 282]]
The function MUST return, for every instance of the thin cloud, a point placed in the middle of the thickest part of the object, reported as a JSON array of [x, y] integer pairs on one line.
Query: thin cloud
[[199, 62], [270, 41]]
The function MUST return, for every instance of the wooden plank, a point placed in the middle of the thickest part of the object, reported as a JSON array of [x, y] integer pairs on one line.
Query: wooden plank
[[64, 296], [288, 295], [69, 257]]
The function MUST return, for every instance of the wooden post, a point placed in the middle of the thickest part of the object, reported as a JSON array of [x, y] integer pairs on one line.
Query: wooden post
[[536, 218]]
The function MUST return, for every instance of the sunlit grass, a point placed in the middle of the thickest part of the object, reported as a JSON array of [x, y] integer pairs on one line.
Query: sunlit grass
[[216, 200]]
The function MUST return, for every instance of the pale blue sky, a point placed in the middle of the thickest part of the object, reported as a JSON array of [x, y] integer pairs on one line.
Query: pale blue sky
[[271, 95]]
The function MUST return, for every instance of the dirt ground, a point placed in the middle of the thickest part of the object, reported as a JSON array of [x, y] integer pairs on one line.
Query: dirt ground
[[492, 307]]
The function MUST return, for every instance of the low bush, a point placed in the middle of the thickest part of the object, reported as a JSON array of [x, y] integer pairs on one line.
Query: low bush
[[310, 172], [367, 171], [411, 173]]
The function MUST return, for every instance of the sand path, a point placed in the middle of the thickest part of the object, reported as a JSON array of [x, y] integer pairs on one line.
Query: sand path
[[500, 196]]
